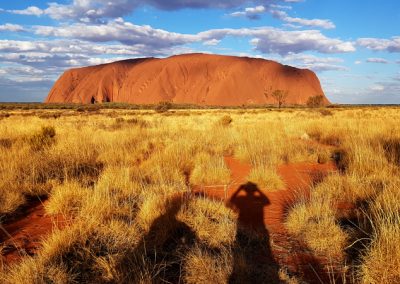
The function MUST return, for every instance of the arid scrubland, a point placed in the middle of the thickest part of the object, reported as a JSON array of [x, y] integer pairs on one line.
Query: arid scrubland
[[122, 180]]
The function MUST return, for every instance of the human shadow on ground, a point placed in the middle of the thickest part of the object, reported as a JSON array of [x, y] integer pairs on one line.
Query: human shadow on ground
[[252, 258], [167, 240]]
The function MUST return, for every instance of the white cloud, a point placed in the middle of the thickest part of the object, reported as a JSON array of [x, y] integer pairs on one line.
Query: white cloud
[[291, 26], [315, 63], [282, 15], [252, 13], [378, 44], [118, 30], [212, 42], [388, 87], [280, 7], [308, 58], [357, 62], [93, 10], [22, 73], [31, 10], [285, 42], [265, 39], [21, 46], [11, 28], [320, 67], [377, 60], [377, 88], [48, 65], [75, 47]]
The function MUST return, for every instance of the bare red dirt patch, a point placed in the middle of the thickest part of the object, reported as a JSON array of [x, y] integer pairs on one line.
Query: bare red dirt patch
[[22, 235]]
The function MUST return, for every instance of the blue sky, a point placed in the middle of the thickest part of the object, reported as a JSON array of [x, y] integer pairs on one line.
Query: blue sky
[[353, 46]]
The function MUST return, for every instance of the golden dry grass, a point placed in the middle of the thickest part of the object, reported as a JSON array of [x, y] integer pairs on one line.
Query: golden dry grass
[[264, 177], [314, 222], [209, 170], [118, 174]]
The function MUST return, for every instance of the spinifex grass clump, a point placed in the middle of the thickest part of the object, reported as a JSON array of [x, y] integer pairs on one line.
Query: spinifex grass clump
[[314, 222], [6, 143], [225, 120], [43, 139]]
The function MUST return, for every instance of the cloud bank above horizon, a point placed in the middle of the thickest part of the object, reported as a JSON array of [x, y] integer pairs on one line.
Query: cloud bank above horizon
[[338, 40]]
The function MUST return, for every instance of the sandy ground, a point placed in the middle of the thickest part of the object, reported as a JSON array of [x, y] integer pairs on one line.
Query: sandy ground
[[22, 234]]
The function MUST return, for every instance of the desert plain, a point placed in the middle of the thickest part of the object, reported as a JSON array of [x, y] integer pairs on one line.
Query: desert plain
[[112, 194]]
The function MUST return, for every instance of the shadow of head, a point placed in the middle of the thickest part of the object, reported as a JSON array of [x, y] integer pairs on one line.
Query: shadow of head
[[167, 240], [250, 188], [173, 205], [252, 191], [250, 204], [167, 225]]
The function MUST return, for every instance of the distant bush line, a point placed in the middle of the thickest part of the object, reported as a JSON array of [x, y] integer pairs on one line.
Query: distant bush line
[[160, 107]]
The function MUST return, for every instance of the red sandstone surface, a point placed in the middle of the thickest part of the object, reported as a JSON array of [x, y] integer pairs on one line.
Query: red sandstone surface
[[200, 79]]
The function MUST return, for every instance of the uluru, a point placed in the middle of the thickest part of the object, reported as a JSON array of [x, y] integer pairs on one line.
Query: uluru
[[201, 79]]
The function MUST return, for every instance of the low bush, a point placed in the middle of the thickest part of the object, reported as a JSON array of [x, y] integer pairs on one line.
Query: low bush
[[4, 115], [43, 139], [325, 112], [6, 143], [226, 120], [49, 115], [391, 148], [315, 101], [163, 107]]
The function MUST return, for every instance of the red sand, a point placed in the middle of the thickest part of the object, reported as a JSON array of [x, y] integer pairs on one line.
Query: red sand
[[22, 235], [298, 179], [200, 79]]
